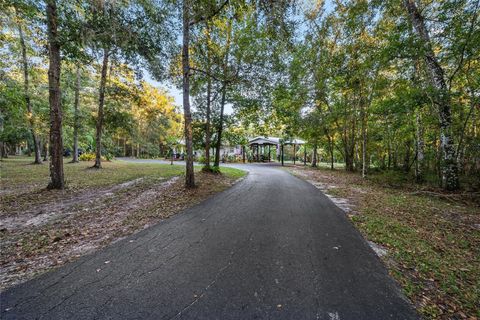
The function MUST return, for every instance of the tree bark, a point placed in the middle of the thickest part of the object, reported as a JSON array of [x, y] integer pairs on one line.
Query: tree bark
[[220, 128], [406, 158], [419, 150], [76, 120], [209, 93], [45, 151], [189, 175], [56, 142], [224, 92], [282, 149], [449, 167], [331, 145], [26, 86], [314, 157], [100, 116], [364, 141]]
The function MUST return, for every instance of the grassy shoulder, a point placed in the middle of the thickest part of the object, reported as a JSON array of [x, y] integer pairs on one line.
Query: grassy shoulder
[[41, 229], [432, 238]]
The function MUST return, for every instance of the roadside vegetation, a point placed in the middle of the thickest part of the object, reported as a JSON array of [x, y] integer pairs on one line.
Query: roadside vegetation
[[41, 229], [432, 238]]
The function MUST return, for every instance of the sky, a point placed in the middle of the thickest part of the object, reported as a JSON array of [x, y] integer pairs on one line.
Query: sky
[[176, 93]]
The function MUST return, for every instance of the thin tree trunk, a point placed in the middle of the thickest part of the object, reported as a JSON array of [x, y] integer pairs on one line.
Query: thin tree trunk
[[209, 93], [450, 179], [189, 175], [406, 159], [76, 120], [207, 125], [100, 116], [331, 146], [282, 154], [314, 157], [56, 142], [331, 155], [26, 86], [3, 149], [45, 151], [220, 128], [224, 92], [419, 150], [364, 142]]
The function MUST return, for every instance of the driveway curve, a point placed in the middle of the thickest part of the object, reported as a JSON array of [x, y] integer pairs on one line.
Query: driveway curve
[[271, 247]]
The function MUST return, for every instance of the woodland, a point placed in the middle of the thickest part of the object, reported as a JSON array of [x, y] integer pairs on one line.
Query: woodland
[[374, 85]]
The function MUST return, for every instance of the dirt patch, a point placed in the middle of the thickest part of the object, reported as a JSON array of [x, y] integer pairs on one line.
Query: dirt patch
[[62, 229], [328, 187], [39, 215]]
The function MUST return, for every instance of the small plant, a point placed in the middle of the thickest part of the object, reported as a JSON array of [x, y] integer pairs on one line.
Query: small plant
[[211, 169], [90, 156]]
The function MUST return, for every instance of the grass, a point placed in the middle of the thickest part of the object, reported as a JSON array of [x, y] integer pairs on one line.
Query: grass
[[19, 172], [433, 239]]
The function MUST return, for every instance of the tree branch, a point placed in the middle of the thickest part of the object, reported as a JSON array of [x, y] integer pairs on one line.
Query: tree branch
[[205, 73], [213, 14], [462, 56]]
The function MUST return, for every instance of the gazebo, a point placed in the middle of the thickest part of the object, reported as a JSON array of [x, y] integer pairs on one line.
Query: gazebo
[[259, 144]]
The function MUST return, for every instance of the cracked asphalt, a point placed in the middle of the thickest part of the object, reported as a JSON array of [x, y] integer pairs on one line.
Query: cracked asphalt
[[271, 247]]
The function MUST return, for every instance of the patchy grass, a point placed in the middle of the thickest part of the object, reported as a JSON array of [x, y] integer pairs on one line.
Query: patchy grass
[[20, 173], [41, 229], [432, 238]]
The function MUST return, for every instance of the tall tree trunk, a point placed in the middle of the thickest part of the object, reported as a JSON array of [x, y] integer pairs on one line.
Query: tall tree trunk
[[100, 116], [406, 159], [224, 92], [419, 149], [76, 120], [314, 157], [45, 151], [189, 175], [26, 86], [364, 141], [209, 93], [3, 145], [220, 127], [450, 179], [332, 159], [56, 142]]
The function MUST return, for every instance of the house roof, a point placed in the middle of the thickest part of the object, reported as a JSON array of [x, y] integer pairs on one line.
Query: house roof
[[273, 140]]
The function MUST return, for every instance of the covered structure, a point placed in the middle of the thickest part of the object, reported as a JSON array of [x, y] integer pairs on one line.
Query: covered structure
[[260, 145]]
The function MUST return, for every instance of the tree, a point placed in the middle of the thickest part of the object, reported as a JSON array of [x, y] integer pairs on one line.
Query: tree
[[76, 121], [441, 98], [56, 141], [187, 114], [36, 141], [188, 21]]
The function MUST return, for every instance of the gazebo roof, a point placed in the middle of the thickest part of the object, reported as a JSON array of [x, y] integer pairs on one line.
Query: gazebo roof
[[273, 140]]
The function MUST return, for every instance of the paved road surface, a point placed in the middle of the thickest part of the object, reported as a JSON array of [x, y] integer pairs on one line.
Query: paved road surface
[[271, 247]]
